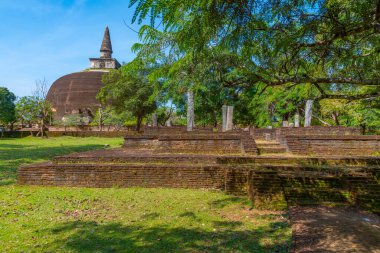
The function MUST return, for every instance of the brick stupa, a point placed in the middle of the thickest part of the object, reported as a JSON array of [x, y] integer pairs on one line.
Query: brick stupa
[[76, 93]]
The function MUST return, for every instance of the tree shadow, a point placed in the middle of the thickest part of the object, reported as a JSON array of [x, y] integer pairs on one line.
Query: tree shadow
[[150, 216], [13, 146], [189, 215], [6, 182], [220, 203], [89, 236]]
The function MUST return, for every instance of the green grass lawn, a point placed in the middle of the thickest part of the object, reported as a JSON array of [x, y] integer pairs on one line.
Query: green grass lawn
[[59, 219]]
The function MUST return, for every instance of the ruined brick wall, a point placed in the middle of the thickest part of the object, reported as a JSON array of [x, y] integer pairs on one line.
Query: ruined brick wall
[[196, 143], [140, 142], [200, 146], [278, 186], [281, 133], [84, 175], [187, 143], [333, 144]]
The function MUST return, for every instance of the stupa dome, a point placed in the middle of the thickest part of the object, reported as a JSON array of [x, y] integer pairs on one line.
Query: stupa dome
[[76, 93]]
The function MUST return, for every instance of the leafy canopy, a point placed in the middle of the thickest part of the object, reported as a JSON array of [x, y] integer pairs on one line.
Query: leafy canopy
[[7, 106], [127, 90], [279, 42], [266, 57]]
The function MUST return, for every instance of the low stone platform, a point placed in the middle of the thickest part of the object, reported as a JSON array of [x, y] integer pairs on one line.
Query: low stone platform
[[270, 180], [227, 162]]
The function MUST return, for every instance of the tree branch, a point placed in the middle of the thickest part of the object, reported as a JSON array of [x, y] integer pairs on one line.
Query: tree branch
[[350, 97], [320, 80]]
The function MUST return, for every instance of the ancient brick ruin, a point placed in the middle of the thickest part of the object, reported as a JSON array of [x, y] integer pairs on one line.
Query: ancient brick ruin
[[275, 167]]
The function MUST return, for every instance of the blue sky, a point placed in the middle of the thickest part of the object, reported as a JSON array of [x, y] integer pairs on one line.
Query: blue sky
[[48, 39]]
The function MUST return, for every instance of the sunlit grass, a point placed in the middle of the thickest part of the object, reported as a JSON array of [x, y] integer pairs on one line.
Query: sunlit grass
[[15, 152], [59, 219]]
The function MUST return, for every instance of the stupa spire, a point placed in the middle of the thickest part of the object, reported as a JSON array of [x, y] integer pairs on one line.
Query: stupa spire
[[105, 61], [106, 47]]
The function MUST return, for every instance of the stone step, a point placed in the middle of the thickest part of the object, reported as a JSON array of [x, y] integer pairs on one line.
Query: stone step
[[272, 150], [136, 159], [294, 195], [301, 160], [283, 168], [268, 144], [260, 142], [270, 147], [324, 167]]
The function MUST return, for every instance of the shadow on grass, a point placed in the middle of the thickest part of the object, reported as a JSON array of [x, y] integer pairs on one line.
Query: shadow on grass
[[14, 155], [7, 182], [228, 201], [13, 146], [115, 237]]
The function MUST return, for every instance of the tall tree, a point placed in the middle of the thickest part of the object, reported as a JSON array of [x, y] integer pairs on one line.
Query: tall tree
[[44, 107], [27, 110], [7, 106], [128, 90]]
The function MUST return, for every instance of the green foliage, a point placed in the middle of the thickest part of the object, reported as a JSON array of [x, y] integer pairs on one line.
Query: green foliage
[[209, 100], [272, 105], [279, 41], [264, 57], [72, 120], [27, 109], [7, 106], [128, 90], [364, 113], [109, 117], [33, 109], [164, 113]]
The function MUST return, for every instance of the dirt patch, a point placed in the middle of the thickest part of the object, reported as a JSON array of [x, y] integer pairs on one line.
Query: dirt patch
[[334, 229]]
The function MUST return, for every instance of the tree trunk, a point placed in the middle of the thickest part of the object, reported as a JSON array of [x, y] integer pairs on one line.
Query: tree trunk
[[42, 129], [190, 110], [286, 116], [138, 123], [11, 125], [335, 117], [100, 119], [364, 128]]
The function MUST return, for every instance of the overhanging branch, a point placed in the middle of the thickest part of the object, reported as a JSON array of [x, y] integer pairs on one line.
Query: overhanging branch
[[324, 80], [324, 95]]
